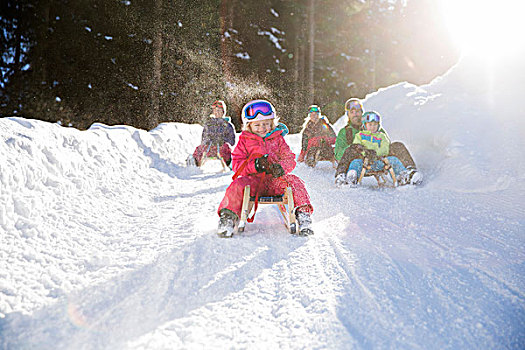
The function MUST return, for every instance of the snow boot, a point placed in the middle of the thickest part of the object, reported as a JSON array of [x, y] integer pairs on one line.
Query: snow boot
[[190, 161], [410, 176], [305, 223], [351, 177], [227, 222], [416, 178], [340, 180], [310, 160]]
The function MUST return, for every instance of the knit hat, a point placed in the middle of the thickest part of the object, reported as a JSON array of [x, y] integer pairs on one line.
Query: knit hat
[[220, 104]]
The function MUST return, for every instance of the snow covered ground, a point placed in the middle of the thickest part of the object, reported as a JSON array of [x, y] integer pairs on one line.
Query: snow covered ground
[[107, 239]]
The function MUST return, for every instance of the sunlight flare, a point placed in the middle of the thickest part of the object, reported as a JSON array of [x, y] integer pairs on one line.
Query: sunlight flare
[[485, 28]]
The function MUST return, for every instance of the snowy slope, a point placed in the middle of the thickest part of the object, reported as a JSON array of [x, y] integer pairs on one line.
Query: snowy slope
[[108, 240]]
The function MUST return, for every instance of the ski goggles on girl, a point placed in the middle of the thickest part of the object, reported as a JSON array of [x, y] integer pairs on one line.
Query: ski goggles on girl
[[353, 105], [371, 117], [314, 109], [260, 107]]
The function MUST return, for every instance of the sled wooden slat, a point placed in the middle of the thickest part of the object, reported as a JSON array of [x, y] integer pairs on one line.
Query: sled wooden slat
[[245, 209], [380, 175], [217, 156], [284, 202]]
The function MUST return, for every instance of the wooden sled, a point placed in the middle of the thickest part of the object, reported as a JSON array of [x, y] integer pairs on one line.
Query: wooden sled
[[206, 155], [284, 202], [312, 162], [381, 175]]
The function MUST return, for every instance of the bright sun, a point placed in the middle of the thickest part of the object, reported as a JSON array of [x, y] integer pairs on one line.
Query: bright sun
[[486, 28]]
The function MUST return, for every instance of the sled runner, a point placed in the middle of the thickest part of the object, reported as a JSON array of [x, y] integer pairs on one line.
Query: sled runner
[[312, 161], [284, 202], [212, 153], [381, 175], [319, 154]]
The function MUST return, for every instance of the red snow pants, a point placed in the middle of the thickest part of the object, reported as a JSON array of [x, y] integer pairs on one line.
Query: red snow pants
[[269, 187], [224, 151]]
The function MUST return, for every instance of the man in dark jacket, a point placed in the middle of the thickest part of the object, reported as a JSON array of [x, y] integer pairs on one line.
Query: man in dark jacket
[[345, 152]]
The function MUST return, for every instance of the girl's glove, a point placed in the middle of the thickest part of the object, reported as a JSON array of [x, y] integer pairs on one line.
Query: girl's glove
[[261, 164], [276, 170]]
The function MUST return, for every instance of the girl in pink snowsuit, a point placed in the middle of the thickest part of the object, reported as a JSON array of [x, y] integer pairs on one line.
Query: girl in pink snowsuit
[[263, 160]]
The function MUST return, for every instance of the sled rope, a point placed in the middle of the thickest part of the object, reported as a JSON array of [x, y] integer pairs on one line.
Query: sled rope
[[262, 175]]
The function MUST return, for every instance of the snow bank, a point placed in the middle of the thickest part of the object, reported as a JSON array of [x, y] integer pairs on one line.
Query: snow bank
[[61, 187]]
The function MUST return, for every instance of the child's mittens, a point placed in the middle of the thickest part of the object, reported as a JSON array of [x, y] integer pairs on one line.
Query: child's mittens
[[276, 170], [261, 164]]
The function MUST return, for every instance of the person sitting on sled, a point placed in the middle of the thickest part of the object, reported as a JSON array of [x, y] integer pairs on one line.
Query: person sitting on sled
[[317, 135], [344, 154], [218, 132], [263, 160], [374, 145]]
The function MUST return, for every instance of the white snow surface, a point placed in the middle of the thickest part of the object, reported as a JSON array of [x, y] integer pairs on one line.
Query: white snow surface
[[108, 242]]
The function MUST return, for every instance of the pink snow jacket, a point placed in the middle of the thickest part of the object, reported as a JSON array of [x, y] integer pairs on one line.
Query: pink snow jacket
[[251, 146]]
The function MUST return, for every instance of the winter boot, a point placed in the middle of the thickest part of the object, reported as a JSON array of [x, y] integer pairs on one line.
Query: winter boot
[[190, 161], [310, 159], [410, 176], [305, 223], [416, 178], [227, 222], [340, 180], [351, 177]]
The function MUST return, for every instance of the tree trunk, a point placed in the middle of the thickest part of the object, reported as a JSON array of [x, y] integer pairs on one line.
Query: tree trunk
[[226, 21], [18, 52], [154, 117], [311, 39], [42, 37], [299, 52]]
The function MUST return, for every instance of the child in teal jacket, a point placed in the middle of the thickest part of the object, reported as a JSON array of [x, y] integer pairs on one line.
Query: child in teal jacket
[[374, 145]]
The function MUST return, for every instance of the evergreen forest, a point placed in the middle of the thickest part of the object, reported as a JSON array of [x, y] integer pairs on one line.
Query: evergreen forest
[[144, 62]]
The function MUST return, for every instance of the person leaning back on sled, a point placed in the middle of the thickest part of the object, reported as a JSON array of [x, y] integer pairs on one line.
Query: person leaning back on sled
[[344, 154], [263, 160], [373, 145], [317, 135], [218, 132]]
